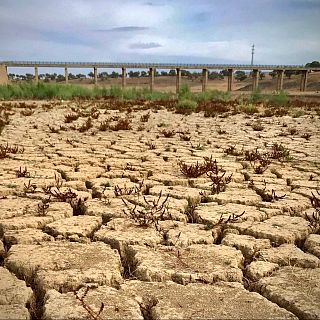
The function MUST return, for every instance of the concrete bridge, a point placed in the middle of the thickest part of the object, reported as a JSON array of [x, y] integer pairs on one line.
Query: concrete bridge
[[280, 69]]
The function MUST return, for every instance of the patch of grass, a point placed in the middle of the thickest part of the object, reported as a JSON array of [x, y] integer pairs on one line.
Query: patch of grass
[[256, 96], [186, 106], [249, 108], [279, 99]]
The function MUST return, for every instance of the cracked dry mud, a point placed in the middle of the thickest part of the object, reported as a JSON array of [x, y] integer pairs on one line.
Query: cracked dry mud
[[62, 259]]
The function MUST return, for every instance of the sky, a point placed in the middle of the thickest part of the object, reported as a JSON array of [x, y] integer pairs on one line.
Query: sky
[[177, 31]]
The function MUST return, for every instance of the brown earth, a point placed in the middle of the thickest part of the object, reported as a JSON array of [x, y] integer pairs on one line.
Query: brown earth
[[62, 258]]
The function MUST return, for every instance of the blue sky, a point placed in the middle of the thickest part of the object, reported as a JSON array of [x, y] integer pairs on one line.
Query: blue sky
[[195, 31]]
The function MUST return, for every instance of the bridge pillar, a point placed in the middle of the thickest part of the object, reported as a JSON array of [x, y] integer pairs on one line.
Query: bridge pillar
[[255, 79], [151, 78], [178, 80], [124, 77], [95, 75], [36, 75], [204, 79], [66, 75], [3, 74], [280, 80], [304, 78], [230, 79]]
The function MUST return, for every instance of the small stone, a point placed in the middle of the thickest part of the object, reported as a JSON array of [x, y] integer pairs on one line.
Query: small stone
[[259, 269], [312, 245], [204, 263], [224, 300], [12, 290], [295, 289], [65, 266], [26, 236], [289, 255], [117, 305], [247, 244]]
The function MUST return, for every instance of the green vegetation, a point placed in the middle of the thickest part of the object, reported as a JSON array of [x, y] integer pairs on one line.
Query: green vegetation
[[63, 91], [186, 106], [280, 98]]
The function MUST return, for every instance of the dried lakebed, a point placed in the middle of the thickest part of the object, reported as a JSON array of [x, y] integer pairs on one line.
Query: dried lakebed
[[176, 217]]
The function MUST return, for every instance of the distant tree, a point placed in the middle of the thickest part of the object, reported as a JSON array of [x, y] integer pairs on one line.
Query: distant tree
[[313, 64], [289, 73], [81, 76], [214, 75], [60, 78], [134, 74], [29, 76], [91, 74], [164, 73], [225, 72], [273, 74], [143, 74], [261, 75], [11, 76], [71, 76], [103, 75], [172, 72], [185, 73], [114, 74], [240, 75]]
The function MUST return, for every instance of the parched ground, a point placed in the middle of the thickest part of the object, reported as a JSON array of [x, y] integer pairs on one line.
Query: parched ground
[[102, 223]]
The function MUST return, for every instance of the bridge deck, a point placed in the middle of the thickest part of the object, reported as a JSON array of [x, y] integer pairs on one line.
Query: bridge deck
[[143, 65]]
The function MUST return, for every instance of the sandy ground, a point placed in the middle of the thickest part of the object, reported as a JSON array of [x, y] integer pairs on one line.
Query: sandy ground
[[62, 257]]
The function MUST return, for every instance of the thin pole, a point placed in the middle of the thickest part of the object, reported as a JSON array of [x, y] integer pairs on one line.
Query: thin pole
[[252, 53]]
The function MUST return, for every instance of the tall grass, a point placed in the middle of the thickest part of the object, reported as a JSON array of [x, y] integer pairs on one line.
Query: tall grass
[[64, 91], [68, 91], [280, 98]]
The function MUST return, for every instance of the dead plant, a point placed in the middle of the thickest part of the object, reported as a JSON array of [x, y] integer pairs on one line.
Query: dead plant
[[86, 126], [70, 117], [233, 151], [192, 170], [145, 117], [119, 192], [266, 196], [190, 211], [43, 206], [279, 152], [168, 133], [30, 187], [217, 176], [152, 212], [185, 137], [231, 219], [122, 124], [23, 173], [92, 315], [104, 126], [6, 149]]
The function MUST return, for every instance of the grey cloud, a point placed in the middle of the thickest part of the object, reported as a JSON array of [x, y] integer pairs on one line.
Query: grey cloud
[[123, 29], [145, 45]]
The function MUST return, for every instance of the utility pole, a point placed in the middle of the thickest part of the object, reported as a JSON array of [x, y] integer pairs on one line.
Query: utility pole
[[252, 53]]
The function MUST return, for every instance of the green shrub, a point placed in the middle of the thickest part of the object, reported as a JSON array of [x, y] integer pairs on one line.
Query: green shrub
[[279, 99], [186, 106], [249, 108], [212, 95], [256, 96], [185, 93]]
